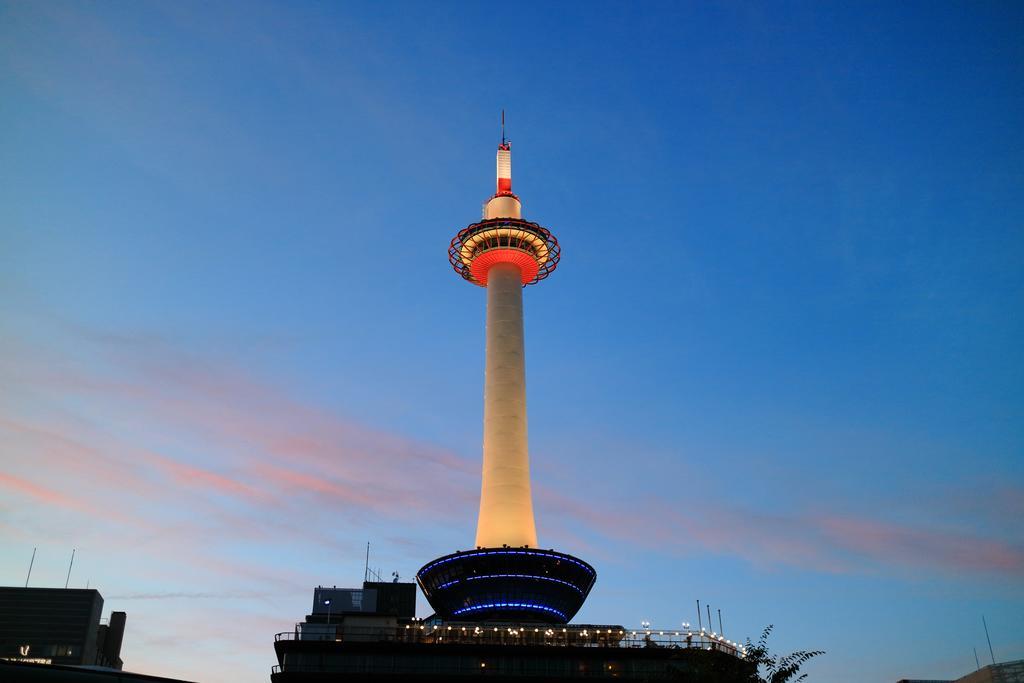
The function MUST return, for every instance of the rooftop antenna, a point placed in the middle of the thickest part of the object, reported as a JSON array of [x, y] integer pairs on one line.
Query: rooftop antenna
[[70, 565], [366, 567], [700, 625], [991, 654], [711, 625], [721, 631], [30, 563], [503, 127]]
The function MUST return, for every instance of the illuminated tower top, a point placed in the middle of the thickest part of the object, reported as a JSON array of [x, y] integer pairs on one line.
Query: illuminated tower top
[[503, 236]]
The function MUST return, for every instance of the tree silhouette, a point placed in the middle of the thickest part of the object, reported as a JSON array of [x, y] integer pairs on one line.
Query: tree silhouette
[[776, 669]]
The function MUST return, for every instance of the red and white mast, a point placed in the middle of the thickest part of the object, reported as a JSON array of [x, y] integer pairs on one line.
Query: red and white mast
[[504, 162], [503, 204]]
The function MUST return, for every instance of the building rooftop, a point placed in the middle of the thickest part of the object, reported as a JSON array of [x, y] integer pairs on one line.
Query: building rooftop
[[372, 634], [1003, 672], [441, 633], [429, 651]]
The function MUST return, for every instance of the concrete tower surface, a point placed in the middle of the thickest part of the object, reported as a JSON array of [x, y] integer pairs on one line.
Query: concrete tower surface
[[507, 575], [506, 504]]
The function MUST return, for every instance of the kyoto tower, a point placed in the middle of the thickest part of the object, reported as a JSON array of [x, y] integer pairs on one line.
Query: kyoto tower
[[507, 577]]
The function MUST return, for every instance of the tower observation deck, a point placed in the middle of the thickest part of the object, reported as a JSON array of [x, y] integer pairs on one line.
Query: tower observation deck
[[507, 576]]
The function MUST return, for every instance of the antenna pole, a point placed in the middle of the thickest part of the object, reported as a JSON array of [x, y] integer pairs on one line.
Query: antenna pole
[[721, 631], [699, 624], [503, 126], [30, 563], [991, 654], [710, 623], [366, 568], [977, 664], [70, 565]]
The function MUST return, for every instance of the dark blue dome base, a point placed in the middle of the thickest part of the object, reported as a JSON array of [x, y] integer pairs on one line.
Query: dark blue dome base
[[507, 584]]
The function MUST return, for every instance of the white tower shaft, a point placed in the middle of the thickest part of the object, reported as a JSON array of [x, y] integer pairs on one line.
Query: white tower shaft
[[506, 504]]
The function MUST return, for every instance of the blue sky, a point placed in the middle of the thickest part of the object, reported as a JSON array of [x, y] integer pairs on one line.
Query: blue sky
[[779, 368]]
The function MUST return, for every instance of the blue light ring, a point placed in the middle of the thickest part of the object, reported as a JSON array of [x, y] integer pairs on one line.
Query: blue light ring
[[513, 576], [516, 605], [521, 576], [477, 553]]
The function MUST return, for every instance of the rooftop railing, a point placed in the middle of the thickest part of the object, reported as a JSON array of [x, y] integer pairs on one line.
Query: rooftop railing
[[483, 633]]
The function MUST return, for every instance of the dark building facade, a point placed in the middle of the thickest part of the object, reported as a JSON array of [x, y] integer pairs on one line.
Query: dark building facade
[[27, 672], [392, 659], [58, 626], [371, 634]]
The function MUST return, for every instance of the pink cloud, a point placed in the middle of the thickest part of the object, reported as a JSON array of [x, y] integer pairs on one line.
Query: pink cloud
[[63, 452], [308, 451], [43, 494], [886, 543], [826, 543], [196, 476], [228, 409], [760, 539], [52, 497], [290, 480]]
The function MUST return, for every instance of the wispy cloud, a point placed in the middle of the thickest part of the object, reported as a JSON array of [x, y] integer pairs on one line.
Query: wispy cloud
[[273, 450], [43, 494], [884, 543], [184, 595], [818, 541]]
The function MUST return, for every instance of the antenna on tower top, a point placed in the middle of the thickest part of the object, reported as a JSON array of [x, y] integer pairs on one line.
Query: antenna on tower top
[[503, 127]]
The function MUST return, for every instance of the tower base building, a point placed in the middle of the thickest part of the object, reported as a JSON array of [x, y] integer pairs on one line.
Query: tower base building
[[371, 634]]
